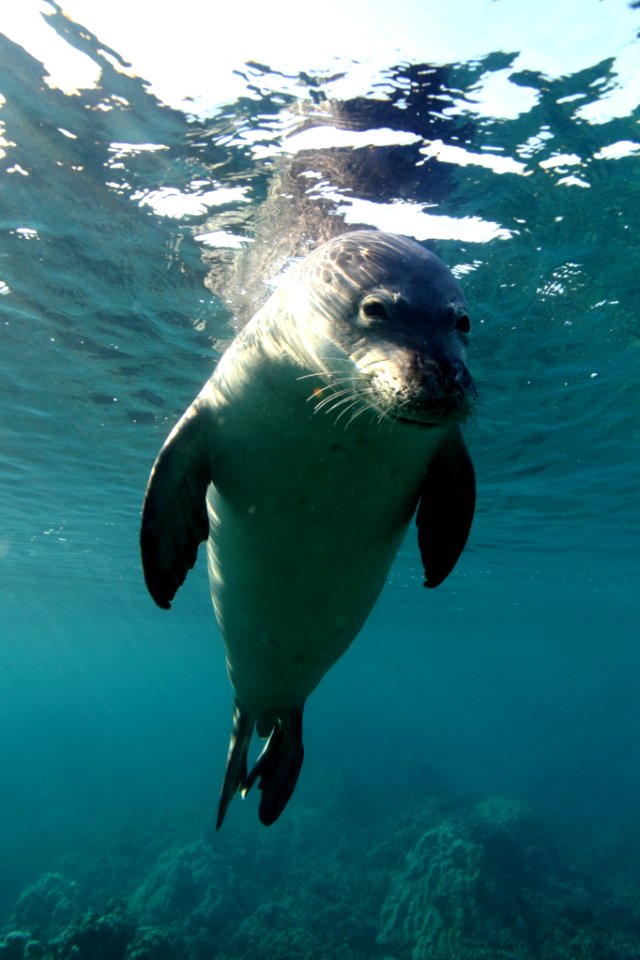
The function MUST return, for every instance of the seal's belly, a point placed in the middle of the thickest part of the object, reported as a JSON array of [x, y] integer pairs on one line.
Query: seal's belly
[[298, 555]]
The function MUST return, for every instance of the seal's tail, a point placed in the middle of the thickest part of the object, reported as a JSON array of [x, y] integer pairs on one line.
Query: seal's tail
[[277, 768]]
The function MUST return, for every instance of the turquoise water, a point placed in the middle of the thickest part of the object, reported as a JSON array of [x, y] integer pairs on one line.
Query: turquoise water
[[471, 783]]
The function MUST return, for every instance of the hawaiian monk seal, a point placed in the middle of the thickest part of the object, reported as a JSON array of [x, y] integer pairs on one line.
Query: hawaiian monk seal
[[332, 416]]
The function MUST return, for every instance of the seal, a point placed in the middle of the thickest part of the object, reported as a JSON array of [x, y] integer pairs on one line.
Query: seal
[[331, 419]]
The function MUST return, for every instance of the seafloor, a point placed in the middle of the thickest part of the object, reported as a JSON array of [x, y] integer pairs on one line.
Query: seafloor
[[440, 881]]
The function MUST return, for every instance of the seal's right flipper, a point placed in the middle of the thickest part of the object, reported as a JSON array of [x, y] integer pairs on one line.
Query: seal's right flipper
[[174, 513], [447, 505], [278, 766]]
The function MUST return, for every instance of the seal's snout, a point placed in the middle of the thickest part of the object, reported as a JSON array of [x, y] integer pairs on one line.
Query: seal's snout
[[456, 379], [428, 388], [419, 387]]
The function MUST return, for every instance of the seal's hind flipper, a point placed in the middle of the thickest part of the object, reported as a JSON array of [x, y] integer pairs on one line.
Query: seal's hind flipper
[[174, 514], [278, 766], [235, 774], [447, 505]]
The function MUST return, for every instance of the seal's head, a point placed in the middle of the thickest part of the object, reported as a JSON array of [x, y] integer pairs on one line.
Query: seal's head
[[385, 322]]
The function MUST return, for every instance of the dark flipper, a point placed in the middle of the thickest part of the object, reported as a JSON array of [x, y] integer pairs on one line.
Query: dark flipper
[[235, 773], [174, 514], [277, 768], [445, 514]]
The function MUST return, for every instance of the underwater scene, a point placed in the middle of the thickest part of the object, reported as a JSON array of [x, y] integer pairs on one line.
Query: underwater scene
[[471, 779]]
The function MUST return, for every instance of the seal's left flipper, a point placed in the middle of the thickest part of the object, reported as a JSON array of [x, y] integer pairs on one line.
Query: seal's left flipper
[[278, 766], [445, 513], [174, 513]]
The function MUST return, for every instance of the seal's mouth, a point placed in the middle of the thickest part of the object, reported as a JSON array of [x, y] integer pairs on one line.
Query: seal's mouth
[[427, 404], [432, 420], [417, 390], [421, 424]]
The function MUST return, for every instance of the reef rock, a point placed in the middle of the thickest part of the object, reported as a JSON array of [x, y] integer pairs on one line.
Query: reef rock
[[191, 882], [493, 884], [47, 905]]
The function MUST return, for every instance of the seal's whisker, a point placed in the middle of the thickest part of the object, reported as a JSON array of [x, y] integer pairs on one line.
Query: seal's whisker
[[344, 394], [371, 364], [316, 373], [362, 406], [363, 409], [384, 420], [318, 390], [340, 403], [325, 372], [341, 392], [353, 404], [336, 379]]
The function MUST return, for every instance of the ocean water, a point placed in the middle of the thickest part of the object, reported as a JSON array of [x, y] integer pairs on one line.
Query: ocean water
[[471, 782]]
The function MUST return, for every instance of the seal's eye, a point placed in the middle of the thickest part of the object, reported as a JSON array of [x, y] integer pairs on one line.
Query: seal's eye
[[463, 324], [374, 310]]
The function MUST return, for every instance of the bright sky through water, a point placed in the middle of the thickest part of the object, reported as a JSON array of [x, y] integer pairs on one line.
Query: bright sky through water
[[194, 59], [189, 54]]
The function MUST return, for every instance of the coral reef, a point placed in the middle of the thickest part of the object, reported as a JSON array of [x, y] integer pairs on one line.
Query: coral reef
[[440, 882], [193, 881], [47, 905], [493, 884]]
